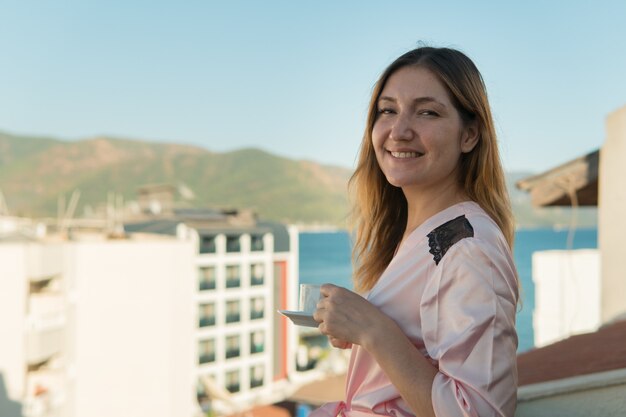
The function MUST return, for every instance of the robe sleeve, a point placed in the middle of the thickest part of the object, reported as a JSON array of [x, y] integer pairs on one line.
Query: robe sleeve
[[468, 323]]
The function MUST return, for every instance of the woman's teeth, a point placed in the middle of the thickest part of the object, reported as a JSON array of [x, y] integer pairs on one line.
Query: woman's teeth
[[405, 154]]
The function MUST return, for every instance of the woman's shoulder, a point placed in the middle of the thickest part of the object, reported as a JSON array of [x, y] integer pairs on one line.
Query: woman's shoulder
[[468, 225]]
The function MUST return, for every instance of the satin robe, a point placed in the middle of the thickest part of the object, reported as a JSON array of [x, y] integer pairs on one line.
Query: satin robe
[[458, 310]]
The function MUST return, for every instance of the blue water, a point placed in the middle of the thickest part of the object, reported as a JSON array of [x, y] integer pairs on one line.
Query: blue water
[[325, 257]]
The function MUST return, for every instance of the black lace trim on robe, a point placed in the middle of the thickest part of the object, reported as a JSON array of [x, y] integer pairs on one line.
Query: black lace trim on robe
[[443, 237]]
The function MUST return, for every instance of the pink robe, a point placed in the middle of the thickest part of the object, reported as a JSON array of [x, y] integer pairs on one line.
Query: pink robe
[[458, 308]]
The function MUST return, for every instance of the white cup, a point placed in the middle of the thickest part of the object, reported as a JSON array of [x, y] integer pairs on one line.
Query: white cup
[[309, 296]]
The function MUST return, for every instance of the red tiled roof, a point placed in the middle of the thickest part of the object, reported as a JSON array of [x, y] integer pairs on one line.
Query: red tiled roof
[[603, 350]]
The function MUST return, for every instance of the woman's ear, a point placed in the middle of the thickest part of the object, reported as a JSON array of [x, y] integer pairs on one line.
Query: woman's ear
[[469, 137]]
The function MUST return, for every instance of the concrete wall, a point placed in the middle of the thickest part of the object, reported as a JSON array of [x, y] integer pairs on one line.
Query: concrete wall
[[132, 321], [601, 394], [13, 292], [567, 294], [612, 216]]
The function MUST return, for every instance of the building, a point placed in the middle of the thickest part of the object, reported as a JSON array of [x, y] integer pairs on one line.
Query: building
[[97, 326], [583, 375], [246, 271], [595, 179]]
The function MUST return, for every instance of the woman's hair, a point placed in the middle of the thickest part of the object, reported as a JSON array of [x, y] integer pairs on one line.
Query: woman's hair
[[379, 209]]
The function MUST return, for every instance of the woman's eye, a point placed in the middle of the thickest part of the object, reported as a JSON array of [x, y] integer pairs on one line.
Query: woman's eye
[[428, 113], [386, 110]]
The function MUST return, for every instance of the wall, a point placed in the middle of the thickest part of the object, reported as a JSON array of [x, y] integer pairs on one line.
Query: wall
[[611, 216], [132, 322], [567, 294]]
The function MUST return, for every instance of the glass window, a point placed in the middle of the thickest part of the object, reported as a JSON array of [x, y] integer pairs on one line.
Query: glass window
[[233, 311], [233, 244], [233, 277], [257, 342], [232, 381], [206, 315], [206, 278], [257, 373], [207, 244], [256, 243], [233, 346], [257, 308], [257, 274], [206, 351]]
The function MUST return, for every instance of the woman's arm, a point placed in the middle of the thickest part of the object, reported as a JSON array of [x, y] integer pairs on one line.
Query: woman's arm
[[346, 317]]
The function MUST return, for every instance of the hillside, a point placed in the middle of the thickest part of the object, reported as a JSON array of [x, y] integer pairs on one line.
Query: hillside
[[34, 172]]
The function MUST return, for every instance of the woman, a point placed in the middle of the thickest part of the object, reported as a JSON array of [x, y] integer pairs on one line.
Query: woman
[[435, 333]]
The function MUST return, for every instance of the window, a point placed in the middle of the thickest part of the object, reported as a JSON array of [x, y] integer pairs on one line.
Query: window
[[256, 243], [232, 381], [206, 315], [206, 278], [257, 342], [257, 274], [256, 376], [233, 278], [207, 244], [233, 311], [257, 308], [233, 244], [233, 347], [206, 351]]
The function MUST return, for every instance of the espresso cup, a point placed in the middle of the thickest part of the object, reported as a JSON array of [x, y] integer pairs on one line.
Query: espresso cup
[[309, 296]]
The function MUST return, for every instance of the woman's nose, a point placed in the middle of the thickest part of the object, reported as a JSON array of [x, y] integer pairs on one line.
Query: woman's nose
[[401, 129]]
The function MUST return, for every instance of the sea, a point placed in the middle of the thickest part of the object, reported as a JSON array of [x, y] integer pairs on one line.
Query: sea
[[325, 257]]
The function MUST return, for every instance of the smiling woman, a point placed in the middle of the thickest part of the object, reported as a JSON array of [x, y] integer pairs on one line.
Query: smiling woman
[[433, 331]]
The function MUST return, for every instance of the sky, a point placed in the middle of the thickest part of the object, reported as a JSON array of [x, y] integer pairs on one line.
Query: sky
[[294, 77]]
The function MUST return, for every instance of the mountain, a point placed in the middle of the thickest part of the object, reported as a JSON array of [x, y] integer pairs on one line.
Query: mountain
[[35, 171]]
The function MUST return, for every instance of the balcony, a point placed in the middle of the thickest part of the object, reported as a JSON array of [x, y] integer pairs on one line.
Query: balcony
[[207, 244], [233, 353], [206, 358], [233, 318], [44, 337], [233, 282], [233, 244], [44, 261], [255, 383], [255, 315], [256, 243], [206, 285], [206, 321], [44, 392]]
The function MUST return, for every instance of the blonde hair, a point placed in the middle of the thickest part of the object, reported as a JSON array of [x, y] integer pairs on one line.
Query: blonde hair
[[379, 210]]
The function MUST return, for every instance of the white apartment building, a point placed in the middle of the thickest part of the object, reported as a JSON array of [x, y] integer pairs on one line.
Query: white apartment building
[[92, 326], [245, 272]]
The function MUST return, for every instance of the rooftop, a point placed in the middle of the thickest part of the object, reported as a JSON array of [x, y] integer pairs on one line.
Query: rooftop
[[583, 354]]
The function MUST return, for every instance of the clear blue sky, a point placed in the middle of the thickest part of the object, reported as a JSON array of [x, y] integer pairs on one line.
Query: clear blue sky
[[293, 77]]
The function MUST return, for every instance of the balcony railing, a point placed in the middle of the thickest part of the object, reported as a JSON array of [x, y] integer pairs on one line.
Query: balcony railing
[[256, 243], [206, 358], [254, 383], [232, 353], [233, 282], [233, 317], [255, 315], [257, 280], [259, 348], [206, 321], [45, 337], [206, 285], [233, 387]]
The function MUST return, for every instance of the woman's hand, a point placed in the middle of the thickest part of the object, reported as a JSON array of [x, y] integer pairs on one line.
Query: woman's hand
[[346, 317]]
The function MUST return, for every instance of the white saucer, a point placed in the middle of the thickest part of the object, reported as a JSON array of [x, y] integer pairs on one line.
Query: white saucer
[[300, 318]]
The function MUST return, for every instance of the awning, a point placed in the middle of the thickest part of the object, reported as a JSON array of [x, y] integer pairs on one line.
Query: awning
[[575, 183]]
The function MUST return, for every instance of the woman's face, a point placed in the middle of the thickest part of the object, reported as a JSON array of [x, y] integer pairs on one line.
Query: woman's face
[[418, 136]]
